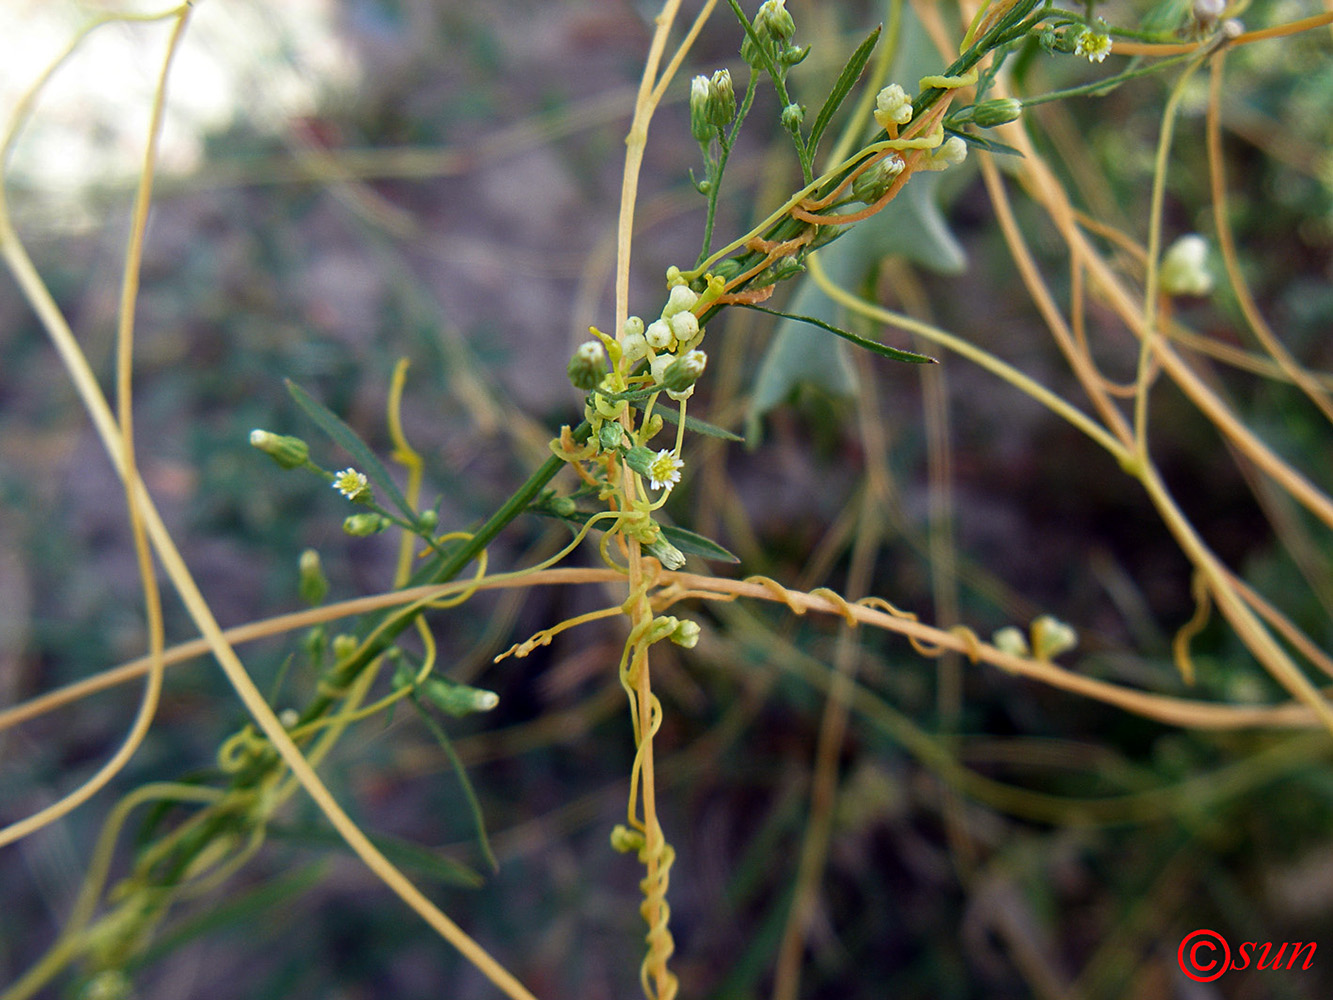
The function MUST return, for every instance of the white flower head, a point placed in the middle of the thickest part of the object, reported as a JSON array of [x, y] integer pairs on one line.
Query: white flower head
[[685, 326], [659, 335], [892, 106], [633, 349], [1094, 44], [664, 470], [949, 153], [352, 484], [681, 299], [1184, 269]]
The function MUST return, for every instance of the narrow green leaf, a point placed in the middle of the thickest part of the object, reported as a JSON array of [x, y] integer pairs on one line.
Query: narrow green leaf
[[478, 819], [431, 863], [692, 543], [332, 425], [893, 353], [851, 72], [698, 426]]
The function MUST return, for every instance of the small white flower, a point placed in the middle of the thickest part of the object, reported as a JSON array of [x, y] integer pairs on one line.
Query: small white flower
[[681, 299], [351, 484], [892, 106], [632, 326], [685, 325], [949, 153], [632, 349], [664, 470], [659, 335], [1093, 44], [659, 365], [1184, 269]]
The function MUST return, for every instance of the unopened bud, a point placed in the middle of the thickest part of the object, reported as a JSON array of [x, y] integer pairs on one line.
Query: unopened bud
[[587, 366], [1051, 637], [721, 99], [792, 116], [610, 436], [666, 553], [684, 371], [700, 127], [1011, 640], [363, 525], [344, 645], [686, 634], [289, 452], [1001, 111], [625, 840], [312, 584], [457, 699], [872, 183], [774, 23]]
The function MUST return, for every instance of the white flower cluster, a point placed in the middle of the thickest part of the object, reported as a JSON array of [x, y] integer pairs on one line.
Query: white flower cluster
[[892, 107], [672, 336]]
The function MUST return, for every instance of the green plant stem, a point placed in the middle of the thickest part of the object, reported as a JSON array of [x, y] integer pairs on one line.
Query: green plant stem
[[1098, 87]]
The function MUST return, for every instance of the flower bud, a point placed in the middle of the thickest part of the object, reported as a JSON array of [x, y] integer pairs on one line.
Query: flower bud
[[1000, 111], [773, 28], [428, 520], [457, 699], [774, 23], [682, 299], [872, 183], [792, 116], [686, 634], [667, 554], [684, 326], [633, 325], [364, 525], [345, 645], [1051, 637], [721, 107], [289, 452], [626, 841], [684, 371], [1011, 640], [610, 436], [892, 106], [587, 366], [311, 584], [700, 127], [1184, 269]]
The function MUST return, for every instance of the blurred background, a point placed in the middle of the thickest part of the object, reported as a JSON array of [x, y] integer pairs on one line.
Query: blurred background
[[344, 184]]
